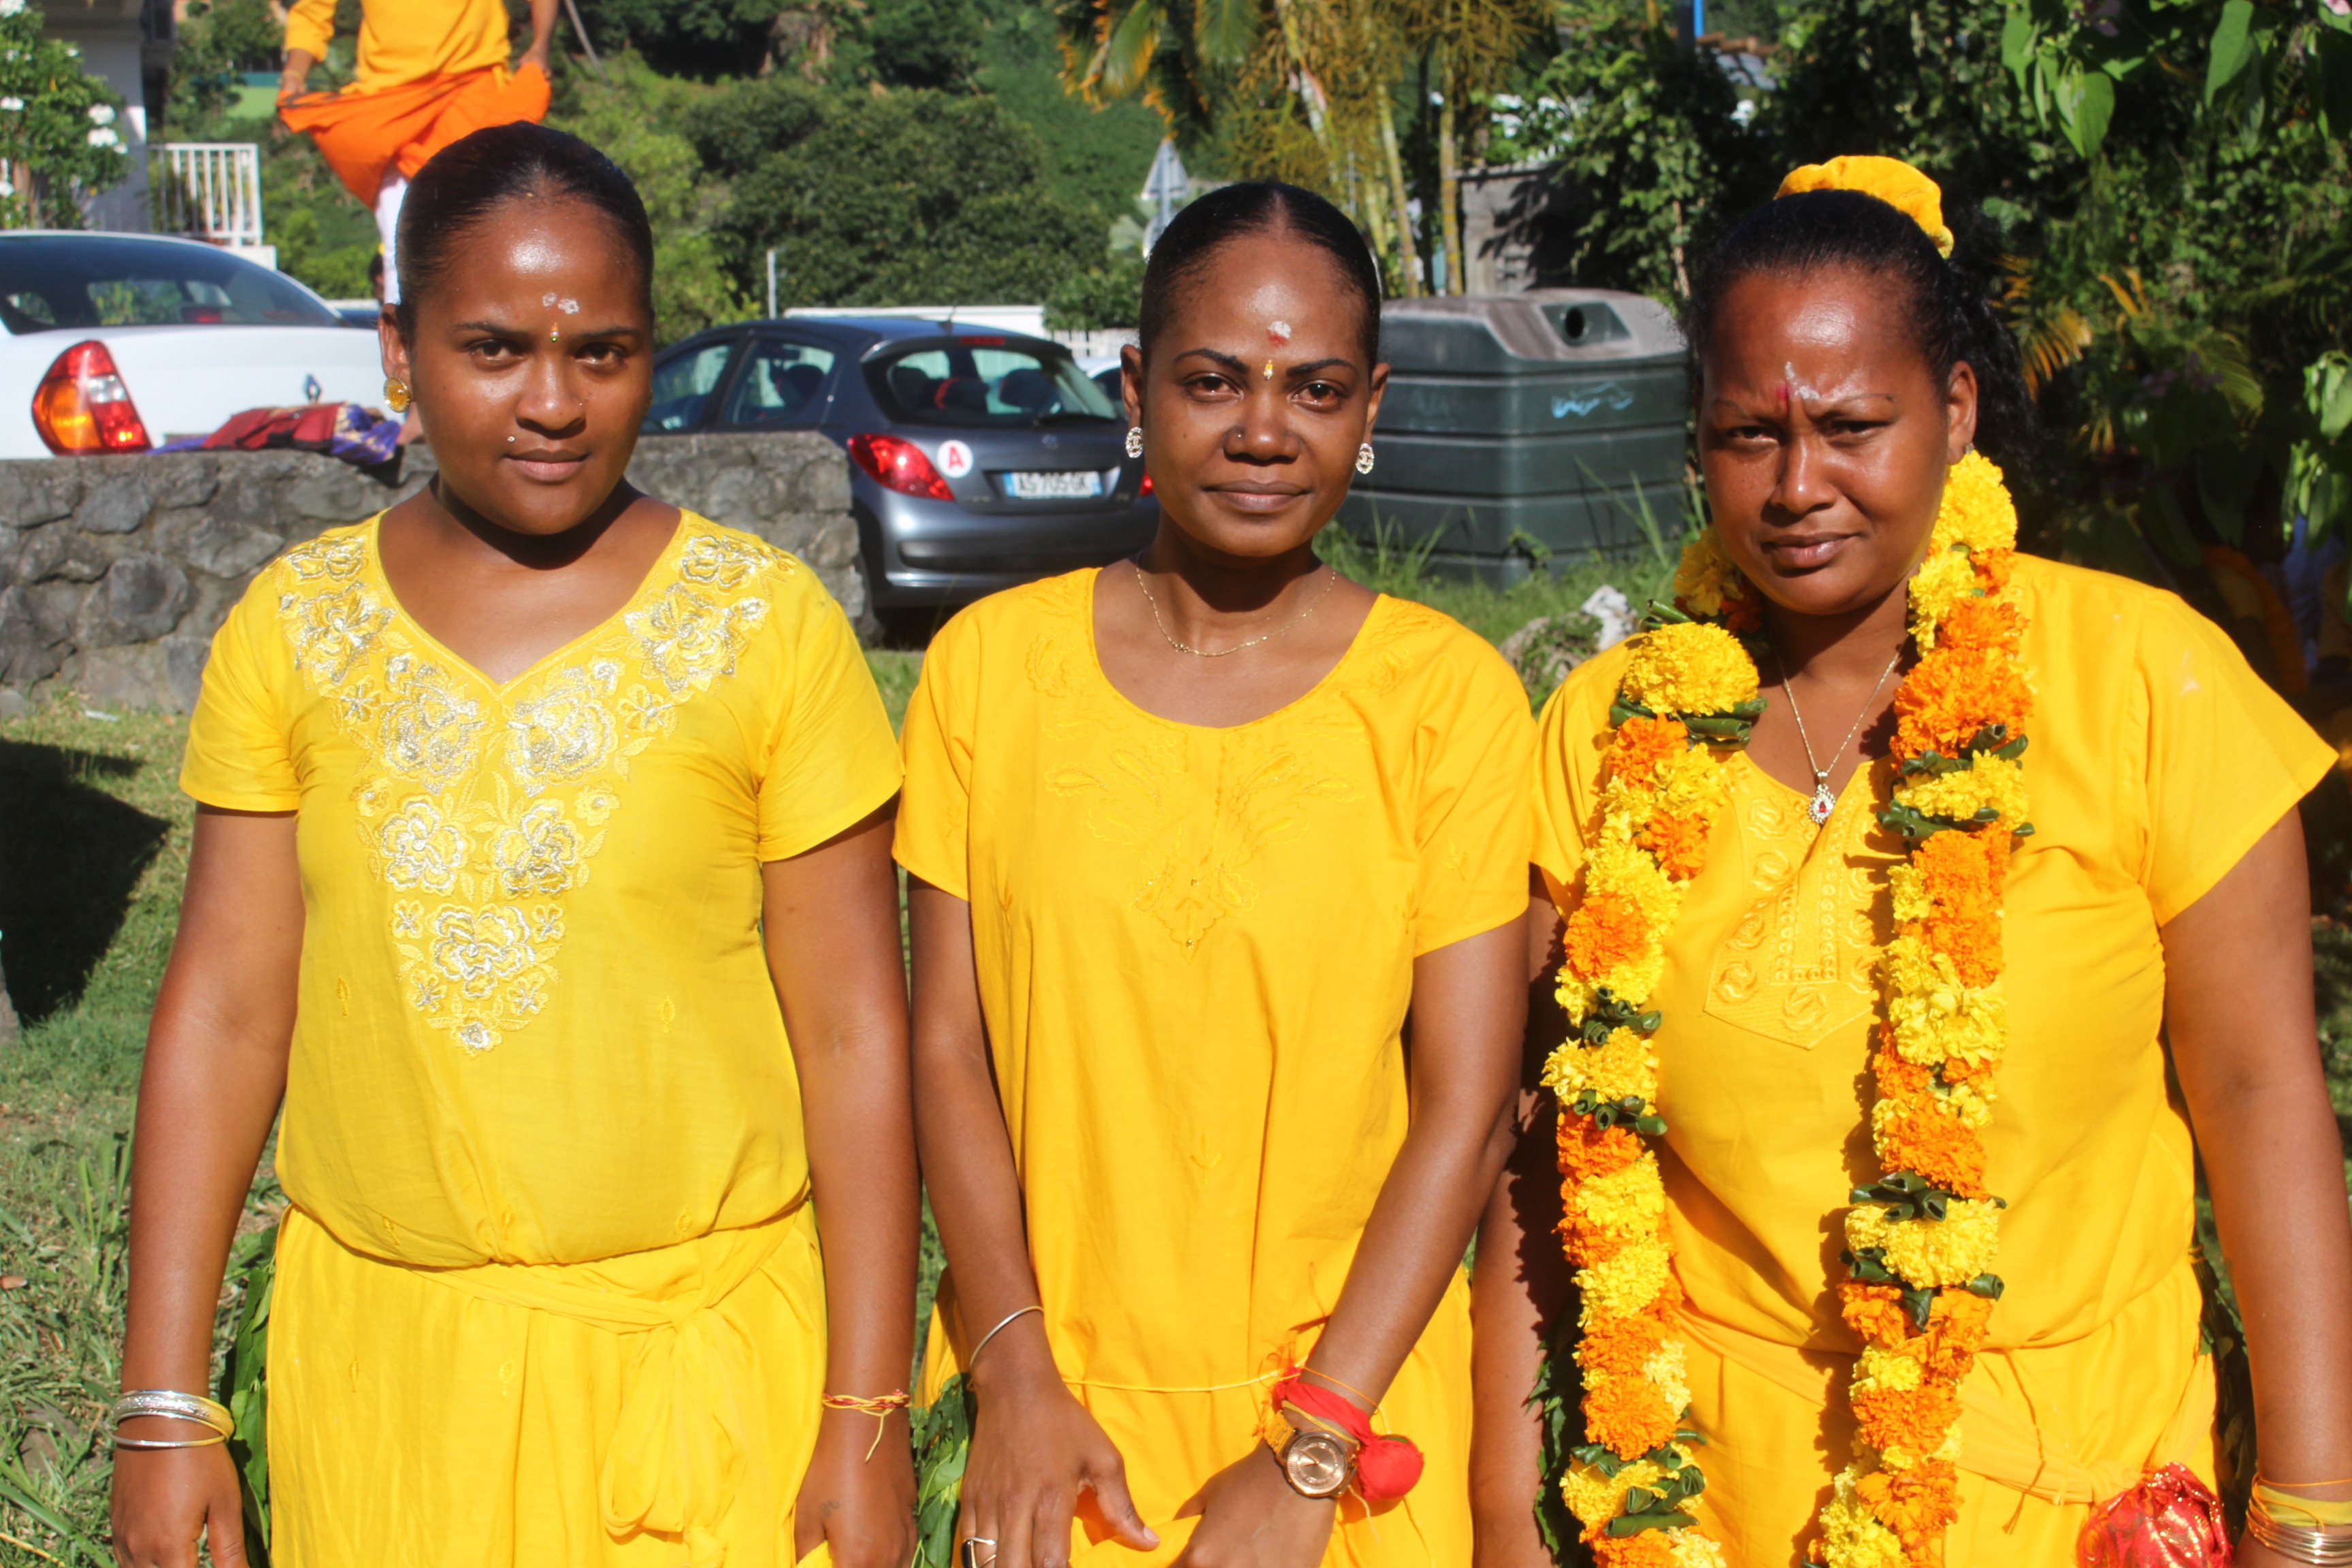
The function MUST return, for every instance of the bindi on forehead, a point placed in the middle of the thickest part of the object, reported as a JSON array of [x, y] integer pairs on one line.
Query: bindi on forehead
[[1278, 333]]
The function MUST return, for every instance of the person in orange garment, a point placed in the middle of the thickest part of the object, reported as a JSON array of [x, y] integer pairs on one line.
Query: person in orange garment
[[430, 72]]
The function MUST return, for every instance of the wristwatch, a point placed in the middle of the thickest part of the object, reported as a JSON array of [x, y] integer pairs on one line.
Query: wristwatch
[[1317, 1462]]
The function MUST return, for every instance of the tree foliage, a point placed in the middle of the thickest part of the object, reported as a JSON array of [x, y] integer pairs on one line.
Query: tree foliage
[[57, 124]]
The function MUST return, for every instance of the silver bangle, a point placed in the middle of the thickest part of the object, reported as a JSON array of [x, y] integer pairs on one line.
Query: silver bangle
[[170, 1404], [996, 1331], [2322, 1546]]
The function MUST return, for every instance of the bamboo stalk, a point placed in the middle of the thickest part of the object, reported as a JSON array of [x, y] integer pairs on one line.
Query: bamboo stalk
[[1449, 182], [1408, 253]]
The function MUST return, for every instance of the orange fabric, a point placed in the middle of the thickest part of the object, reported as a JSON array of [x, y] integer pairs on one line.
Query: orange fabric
[[365, 135]]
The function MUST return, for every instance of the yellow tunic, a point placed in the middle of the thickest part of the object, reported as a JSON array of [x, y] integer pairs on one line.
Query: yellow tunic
[[402, 41], [1195, 952], [2156, 760], [549, 1286]]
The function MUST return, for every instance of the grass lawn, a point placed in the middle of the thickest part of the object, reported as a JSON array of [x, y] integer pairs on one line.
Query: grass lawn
[[93, 850]]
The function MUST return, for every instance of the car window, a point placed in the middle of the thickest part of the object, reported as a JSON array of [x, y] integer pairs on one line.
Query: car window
[[682, 386], [977, 382], [781, 384], [52, 282]]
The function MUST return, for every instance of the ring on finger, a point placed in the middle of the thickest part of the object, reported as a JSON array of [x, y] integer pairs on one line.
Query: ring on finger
[[971, 1557]]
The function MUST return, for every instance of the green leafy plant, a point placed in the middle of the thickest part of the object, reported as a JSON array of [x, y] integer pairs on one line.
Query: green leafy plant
[[60, 133]]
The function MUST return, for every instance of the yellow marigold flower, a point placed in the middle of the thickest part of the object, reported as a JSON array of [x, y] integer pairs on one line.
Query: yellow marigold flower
[[1943, 580], [1705, 576], [1625, 1284], [1972, 1103], [1948, 1251], [1692, 785], [1937, 1018], [1629, 1202], [1689, 667], [1977, 509], [1595, 1498], [1949, 1451], [1669, 1373], [1886, 1369], [1693, 1550], [1988, 781], [1852, 1536], [1620, 1066]]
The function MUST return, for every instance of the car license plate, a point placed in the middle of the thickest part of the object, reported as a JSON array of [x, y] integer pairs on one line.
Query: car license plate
[[1067, 484]]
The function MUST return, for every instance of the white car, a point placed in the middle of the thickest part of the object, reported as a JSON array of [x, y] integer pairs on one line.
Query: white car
[[119, 342]]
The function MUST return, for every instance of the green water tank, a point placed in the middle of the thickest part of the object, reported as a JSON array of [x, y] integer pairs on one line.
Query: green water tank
[[1519, 427]]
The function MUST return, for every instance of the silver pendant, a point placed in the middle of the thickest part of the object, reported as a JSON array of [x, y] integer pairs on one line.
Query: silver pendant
[[1823, 803]]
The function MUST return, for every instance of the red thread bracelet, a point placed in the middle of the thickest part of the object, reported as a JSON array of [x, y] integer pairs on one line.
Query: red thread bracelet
[[1386, 1466]]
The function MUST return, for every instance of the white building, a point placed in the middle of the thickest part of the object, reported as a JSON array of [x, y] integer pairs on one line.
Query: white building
[[128, 44]]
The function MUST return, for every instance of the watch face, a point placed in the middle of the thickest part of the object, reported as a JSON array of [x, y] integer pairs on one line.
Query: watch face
[[1317, 1462]]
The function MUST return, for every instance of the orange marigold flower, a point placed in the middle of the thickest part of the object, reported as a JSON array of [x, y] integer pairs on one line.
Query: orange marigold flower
[[1964, 874], [1955, 693], [1875, 1313], [1642, 744], [1628, 1417], [1587, 1149], [1678, 842], [1956, 1331], [1619, 1347], [1896, 1077], [1948, 1152], [1743, 613], [1587, 1244], [1606, 930], [1918, 1505], [1980, 624], [1646, 1549], [1914, 1420], [1992, 568]]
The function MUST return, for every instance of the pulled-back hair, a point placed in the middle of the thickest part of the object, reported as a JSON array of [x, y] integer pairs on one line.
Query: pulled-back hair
[[468, 179], [1948, 304], [1257, 207]]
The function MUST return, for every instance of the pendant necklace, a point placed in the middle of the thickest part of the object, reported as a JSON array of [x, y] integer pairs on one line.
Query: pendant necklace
[[1823, 802], [1332, 582]]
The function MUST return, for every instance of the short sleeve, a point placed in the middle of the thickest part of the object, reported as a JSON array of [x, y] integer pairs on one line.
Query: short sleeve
[[240, 752], [933, 842], [833, 761], [1568, 769], [2227, 758], [1472, 814], [310, 27]]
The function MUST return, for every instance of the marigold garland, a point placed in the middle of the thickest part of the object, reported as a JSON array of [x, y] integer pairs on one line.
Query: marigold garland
[[1919, 1243]]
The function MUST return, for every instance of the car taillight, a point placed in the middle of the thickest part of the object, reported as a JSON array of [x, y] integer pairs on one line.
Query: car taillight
[[900, 464], [1146, 489], [82, 408]]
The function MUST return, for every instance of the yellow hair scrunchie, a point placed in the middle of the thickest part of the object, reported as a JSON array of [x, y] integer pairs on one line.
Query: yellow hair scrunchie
[[1891, 180]]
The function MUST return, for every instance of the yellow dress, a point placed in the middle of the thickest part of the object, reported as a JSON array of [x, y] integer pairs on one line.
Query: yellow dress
[[2156, 760], [550, 1289], [1195, 951]]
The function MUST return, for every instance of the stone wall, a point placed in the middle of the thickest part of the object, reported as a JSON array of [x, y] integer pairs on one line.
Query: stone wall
[[115, 571]]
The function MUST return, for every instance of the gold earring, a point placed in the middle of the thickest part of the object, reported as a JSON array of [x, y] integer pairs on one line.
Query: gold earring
[[395, 394]]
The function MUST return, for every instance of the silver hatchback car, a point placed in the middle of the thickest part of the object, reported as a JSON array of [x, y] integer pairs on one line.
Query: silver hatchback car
[[977, 459]]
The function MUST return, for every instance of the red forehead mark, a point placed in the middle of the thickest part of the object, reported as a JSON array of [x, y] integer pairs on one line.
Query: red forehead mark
[[1781, 393], [1278, 333]]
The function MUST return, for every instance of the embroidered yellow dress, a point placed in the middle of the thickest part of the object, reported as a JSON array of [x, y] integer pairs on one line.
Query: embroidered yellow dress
[[2157, 759], [1195, 951], [550, 1291]]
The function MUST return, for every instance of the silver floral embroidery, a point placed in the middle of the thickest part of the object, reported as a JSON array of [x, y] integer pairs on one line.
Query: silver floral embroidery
[[567, 731], [501, 847], [541, 854], [421, 848]]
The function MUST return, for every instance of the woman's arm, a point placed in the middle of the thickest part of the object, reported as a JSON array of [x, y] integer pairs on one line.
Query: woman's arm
[[215, 1071], [1034, 1449], [1468, 1019], [1521, 1284], [2237, 1009], [831, 923]]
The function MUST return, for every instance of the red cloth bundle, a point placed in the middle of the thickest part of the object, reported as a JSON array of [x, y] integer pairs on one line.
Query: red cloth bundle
[[2171, 1520], [1386, 1466]]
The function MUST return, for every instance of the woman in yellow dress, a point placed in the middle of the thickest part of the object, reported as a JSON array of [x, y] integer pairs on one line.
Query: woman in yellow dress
[[1197, 842], [1875, 1008], [541, 866]]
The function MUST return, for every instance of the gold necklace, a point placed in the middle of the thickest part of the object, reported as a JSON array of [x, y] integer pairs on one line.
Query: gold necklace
[[1330, 581], [1823, 802]]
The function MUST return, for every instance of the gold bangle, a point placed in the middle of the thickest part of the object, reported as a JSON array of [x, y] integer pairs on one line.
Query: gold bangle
[[170, 1404]]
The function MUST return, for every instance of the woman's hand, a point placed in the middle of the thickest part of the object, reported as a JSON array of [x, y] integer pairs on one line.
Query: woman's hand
[[166, 1498], [1252, 1517], [865, 1509], [1034, 1450]]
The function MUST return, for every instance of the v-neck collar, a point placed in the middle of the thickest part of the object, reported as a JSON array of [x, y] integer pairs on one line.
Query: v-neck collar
[[655, 579]]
